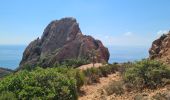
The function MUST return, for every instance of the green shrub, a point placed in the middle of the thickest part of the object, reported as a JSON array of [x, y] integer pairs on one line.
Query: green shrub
[[105, 71], [123, 67], [108, 69], [56, 83], [41, 83], [28, 67], [7, 96], [114, 67], [146, 73], [114, 87], [74, 62], [92, 75], [78, 75], [80, 79]]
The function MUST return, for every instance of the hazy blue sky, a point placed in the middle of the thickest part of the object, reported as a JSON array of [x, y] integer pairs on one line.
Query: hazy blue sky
[[115, 22]]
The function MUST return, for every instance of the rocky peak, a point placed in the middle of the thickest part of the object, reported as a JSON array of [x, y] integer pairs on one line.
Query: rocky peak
[[62, 39], [58, 33], [60, 27], [160, 49]]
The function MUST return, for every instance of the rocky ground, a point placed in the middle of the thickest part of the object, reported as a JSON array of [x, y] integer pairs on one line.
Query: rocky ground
[[97, 91], [94, 92]]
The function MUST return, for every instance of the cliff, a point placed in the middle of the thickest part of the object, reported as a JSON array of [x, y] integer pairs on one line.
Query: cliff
[[61, 40], [160, 49]]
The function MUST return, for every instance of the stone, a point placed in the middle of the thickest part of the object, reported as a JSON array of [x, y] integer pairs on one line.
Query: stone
[[160, 49], [61, 40]]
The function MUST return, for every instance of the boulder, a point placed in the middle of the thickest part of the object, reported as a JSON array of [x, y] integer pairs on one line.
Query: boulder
[[62, 40]]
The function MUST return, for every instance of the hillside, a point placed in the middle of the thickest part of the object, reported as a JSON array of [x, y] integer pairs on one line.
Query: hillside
[[142, 80], [97, 91], [4, 72]]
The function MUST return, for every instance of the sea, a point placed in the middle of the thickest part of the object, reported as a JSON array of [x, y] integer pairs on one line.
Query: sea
[[11, 55]]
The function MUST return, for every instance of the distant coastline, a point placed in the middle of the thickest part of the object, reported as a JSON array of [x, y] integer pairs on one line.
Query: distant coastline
[[10, 55], [127, 53]]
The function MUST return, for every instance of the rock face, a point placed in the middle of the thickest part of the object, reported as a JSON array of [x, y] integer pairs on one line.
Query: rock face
[[4, 72], [62, 39], [160, 49]]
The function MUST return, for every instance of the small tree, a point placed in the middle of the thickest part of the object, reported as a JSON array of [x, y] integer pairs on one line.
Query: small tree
[[93, 54]]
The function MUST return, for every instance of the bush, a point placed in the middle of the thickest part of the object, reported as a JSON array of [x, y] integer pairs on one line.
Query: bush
[[28, 67], [92, 75], [74, 62], [108, 69], [147, 73], [50, 83], [123, 67], [7, 96], [41, 83], [115, 87], [77, 75]]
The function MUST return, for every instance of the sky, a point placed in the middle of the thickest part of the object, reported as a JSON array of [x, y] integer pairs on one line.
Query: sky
[[114, 22]]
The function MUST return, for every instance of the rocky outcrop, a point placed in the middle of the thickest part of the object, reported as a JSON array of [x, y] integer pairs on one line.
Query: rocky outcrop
[[160, 49], [61, 40], [4, 72]]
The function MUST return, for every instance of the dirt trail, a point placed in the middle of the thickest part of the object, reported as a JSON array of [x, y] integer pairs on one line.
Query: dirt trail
[[96, 91], [92, 91]]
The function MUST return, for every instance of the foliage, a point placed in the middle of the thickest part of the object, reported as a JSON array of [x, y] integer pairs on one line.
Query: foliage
[[28, 67], [72, 63], [93, 74], [75, 73], [146, 73], [41, 83], [51, 83], [108, 69], [7, 96], [115, 87]]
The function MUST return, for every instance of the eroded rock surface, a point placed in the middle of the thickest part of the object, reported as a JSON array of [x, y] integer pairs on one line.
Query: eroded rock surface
[[62, 39], [160, 49]]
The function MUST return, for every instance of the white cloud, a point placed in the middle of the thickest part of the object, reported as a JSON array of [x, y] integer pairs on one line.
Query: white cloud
[[125, 39], [129, 41], [128, 34]]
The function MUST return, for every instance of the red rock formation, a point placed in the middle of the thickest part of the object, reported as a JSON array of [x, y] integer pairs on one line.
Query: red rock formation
[[160, 49], [61, 40]]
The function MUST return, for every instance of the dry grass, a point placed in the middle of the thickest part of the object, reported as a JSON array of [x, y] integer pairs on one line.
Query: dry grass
[[84, 67]]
